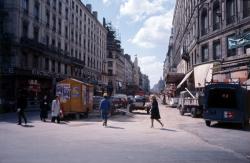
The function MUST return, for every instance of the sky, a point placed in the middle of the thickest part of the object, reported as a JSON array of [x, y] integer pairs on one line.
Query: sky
[[144, 28]]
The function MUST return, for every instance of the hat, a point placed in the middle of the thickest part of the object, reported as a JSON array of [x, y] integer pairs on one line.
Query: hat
[[105, 95]]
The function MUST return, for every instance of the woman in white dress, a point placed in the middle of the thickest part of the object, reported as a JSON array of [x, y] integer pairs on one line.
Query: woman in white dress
[[55, 110]]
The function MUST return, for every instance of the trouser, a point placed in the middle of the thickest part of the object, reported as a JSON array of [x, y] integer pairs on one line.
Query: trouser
[[55, 118], [105, 117], [20, 116]]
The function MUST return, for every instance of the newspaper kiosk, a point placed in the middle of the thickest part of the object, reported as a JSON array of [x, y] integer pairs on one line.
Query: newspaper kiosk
[[76, 97]]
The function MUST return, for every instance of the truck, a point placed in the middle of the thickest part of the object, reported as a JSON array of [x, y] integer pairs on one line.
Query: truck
[[188, 103], [227, 103]]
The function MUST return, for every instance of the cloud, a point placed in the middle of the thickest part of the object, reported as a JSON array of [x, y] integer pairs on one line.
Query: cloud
[[155, 31], [105, 1], [138, 10], [152, 67]]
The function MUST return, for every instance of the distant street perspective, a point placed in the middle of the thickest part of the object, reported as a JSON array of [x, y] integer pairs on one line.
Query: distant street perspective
[[127, 138]]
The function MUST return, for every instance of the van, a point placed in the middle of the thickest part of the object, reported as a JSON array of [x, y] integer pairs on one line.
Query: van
[[225, 102]]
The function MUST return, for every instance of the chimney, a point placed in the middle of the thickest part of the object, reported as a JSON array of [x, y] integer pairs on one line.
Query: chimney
[[95, 13], [89, 7], [104, 22]]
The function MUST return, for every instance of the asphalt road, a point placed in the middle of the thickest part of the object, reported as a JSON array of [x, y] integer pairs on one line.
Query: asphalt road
[[128, 138]]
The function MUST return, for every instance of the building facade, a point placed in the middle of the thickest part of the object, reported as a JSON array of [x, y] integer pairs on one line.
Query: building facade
[[201, 33], [44, 41], [128, 70]]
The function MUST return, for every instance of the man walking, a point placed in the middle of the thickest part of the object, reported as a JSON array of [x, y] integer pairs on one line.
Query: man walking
[[104, 108], [21, 105]]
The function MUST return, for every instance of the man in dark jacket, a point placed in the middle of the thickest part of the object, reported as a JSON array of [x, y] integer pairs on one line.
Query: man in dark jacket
[[21, 105]]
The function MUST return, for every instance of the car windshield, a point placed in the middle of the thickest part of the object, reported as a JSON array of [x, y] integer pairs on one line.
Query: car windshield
[[222, 98]]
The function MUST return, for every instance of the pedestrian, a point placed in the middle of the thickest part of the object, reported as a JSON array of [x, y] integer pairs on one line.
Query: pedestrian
[[155, 114], [105, 108], [55, 109], [44, 106], [164, 99], [21, 106]]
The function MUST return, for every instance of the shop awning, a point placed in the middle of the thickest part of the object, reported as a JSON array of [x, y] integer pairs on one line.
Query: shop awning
[[174, 77], [184, 79], [202, 74]]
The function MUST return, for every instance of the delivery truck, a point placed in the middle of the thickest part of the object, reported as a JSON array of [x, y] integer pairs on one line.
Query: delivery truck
[[227, 102]]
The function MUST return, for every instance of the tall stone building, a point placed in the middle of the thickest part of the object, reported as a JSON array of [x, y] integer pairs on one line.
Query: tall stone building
[[43, 41], [202, 30], [136, 72], [115, 61], [128, 70]]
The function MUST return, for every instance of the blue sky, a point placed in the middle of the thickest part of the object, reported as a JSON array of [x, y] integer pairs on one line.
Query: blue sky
[[144, 28]]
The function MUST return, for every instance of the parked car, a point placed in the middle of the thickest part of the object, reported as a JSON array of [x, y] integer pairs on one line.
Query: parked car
[[116, 101], [139, 104], [124, 99], [130, 99]]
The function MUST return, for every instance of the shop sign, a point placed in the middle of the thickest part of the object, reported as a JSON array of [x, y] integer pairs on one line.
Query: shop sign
[[239, 42]]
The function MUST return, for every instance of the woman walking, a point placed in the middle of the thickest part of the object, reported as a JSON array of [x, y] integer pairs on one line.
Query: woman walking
[[44, 106], [155, 114]]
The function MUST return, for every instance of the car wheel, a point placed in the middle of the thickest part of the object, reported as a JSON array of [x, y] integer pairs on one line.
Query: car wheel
[[193, 113], [130, 108], [208, 123]]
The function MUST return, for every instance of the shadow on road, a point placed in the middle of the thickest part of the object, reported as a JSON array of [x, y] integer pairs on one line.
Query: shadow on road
[[27, 126], [165, 129], [113, 127], [139, 113], [232, 126]]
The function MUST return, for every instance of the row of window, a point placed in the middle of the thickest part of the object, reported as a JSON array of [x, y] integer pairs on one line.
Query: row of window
[[216, 51], [52, 66], [93, 35], [230, 14], [91, 47]]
